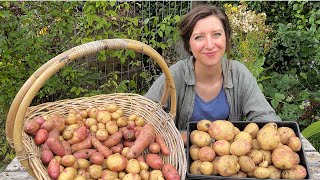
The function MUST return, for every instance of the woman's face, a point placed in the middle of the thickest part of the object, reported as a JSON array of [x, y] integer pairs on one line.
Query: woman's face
[[208, 41]]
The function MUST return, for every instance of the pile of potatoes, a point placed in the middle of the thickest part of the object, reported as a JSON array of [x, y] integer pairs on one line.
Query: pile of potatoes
[[100, 143], [220, 148]]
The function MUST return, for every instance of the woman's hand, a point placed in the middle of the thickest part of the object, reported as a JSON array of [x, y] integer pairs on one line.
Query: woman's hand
[[183, 134]]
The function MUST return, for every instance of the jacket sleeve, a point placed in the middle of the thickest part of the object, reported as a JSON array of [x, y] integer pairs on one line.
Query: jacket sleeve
[[155, 92], [255, 106]]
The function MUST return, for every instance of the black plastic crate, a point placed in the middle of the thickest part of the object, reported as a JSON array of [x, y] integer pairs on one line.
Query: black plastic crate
[[241, 125]]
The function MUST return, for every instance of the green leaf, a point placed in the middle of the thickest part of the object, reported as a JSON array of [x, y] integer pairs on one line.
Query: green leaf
[[112, 2], [279, 96], [303, 75], [274, 103], [311, 130], [160, 33]]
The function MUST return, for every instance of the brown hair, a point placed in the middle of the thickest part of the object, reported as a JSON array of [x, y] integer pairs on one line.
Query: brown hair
[[189, 20]]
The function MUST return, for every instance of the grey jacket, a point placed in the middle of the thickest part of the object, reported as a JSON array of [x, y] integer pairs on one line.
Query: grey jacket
[[243, 93]]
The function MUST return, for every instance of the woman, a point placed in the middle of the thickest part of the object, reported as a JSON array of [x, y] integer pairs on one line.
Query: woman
[[208, 85]]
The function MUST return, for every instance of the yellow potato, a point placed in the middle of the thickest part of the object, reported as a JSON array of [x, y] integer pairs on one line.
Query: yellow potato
[[195, 167], [221, 129], [285, 133], [68, 173], [294, 143], [68, 160], [194, 152], [144, 174], [266, 156], [283, 157], [116, 162], [103, 116], [112, 107], [227, 165], [121, 174], [143, 165], [92, 112], [120, 112], [268, 137], [203, 125], [206, 168], [240, 174], [275, 173], [261, 173], [140, 122], [256, 156], [221, 147], [156, 175], [112, 127], [132, 117], [80, 177], [201, 139], [246, 164], [255, 144], [133, 166], [115, 116], [83, 163], [296, 172], [95, 171], [240, 147], [252, 129], [243, 136], [109, 175], [122, 122]]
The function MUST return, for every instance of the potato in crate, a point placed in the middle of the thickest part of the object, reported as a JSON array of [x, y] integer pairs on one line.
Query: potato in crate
[[245, 150]]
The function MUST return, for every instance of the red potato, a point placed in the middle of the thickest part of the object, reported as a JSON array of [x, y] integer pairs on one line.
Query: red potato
[[48, 125], [131, 125], [66, 146], [141, 158], [154, 147], [44, 147], [101, 148], [39, 119], [59, 122], [170, 172], [85, 144], [128, 143], [97, 158], [145, 138], [54, 169], [117, 148], [163, 147], [56, 146], [78, 135], [41, 136], [154, 161], [54, 133], [46, 156], [31, 127], [137, 131], [84, 153], [113, 139], [128, 134]]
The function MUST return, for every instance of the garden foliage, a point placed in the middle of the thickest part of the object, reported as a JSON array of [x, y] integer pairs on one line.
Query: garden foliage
[[278, 42]]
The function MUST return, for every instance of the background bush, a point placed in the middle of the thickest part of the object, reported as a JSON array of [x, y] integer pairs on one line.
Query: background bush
[[286, 66]]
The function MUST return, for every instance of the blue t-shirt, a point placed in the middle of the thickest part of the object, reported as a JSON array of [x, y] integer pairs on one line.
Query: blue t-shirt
[[215, 109]]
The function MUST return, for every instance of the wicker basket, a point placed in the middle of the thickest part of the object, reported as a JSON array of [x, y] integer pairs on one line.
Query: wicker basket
[[20, 112]]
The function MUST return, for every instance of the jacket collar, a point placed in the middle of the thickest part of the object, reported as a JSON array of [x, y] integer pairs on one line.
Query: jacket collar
[[226, 69]]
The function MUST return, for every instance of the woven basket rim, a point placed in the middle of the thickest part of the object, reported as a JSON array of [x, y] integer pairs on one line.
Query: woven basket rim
[[23, 99], [166, 127]]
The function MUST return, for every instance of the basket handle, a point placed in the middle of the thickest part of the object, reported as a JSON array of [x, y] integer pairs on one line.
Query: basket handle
[[35, 82]]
